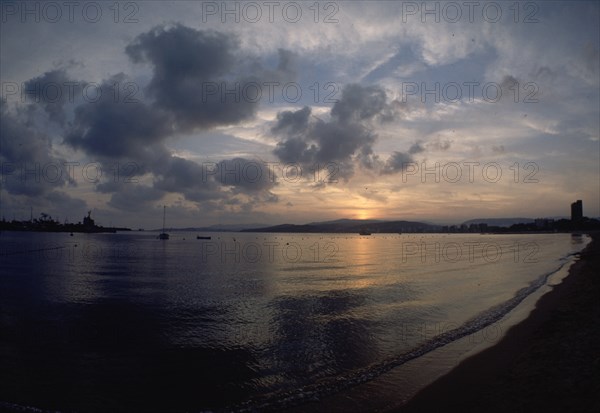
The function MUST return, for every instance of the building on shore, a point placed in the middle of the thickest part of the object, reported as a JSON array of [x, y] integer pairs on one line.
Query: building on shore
[[577, 210], [88, 222]]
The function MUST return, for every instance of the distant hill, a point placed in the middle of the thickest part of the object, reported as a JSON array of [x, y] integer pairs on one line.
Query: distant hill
[[217, 228], [499, 222], [350, 226], [345, 221], [232, 227]]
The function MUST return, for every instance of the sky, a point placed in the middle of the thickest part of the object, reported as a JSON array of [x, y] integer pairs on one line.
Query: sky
[[294, 112]]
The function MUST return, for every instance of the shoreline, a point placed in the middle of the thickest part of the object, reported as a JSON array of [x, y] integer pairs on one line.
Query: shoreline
[[548, 362]]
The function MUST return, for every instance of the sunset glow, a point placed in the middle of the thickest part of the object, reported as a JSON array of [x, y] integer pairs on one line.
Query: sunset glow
[[232, 122]]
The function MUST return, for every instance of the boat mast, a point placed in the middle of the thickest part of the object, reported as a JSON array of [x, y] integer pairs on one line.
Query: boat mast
[[164, 214]]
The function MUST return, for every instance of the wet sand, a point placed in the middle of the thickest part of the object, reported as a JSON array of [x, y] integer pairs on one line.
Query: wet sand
[[550, 362]]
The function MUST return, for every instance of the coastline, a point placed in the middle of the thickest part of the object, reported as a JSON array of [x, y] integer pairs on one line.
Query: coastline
[[548, 362]]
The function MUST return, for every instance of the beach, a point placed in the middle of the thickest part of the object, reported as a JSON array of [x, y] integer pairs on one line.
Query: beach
[[550, 362]]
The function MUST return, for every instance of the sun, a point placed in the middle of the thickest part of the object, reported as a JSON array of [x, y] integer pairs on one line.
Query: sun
[[362, 214]]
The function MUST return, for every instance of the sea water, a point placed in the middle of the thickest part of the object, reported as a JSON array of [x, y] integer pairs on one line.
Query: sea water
[[245, 321]]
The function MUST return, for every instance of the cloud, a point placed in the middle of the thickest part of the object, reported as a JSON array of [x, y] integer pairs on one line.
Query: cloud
[[347, 138], [174, 120], [417, 147], [233, 181], [184, 63], [498, 149], [396, 163], [64, 203], [196, 75], [187, 177], [56, 203], [118, 129], [509, 88], [32, 175], [439, 145], [29, 166], [244, 175], [292, 124], [135, 197], [53, 90], [359, 103], [240, 184]]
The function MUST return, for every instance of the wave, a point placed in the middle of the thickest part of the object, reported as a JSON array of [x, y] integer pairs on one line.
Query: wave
[[12, 407]]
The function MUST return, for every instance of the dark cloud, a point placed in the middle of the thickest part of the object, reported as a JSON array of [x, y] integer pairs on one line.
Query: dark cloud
[[287, 62], [56, 203], [234, 181], [367, 158], [417, 147], [543, 73], [117, 128], [244, 175], [509, 83], [347, 138], [183, 52], [360, 103], [339, 141], [591, 58], [511, 90], [135, 197], [396, 163], [63, 203], [292, 123], [439, 145], [193, 70], [29, 166], [53, 90], [32, 175], [189, 178], [187, 65]]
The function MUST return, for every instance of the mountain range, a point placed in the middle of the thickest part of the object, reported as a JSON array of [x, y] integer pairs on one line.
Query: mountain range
[[351, 226]]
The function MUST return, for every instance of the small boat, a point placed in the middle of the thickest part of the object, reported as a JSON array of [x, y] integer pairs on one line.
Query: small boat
[[163, 234], [199, 237]]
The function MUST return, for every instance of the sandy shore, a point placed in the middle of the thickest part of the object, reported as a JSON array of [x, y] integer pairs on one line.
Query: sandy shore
[[548, 363]]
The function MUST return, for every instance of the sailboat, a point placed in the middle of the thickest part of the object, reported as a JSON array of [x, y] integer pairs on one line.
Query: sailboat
[[163, 234]]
